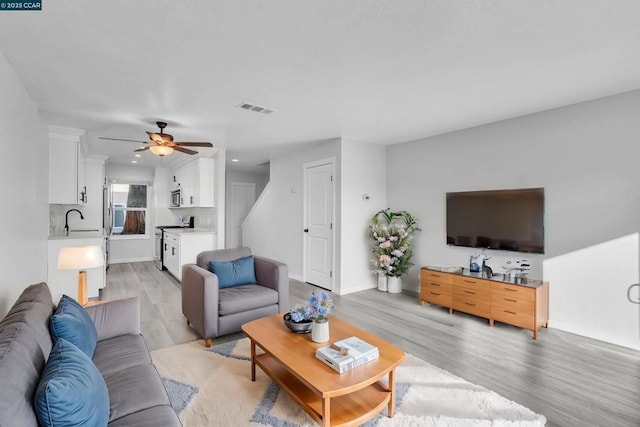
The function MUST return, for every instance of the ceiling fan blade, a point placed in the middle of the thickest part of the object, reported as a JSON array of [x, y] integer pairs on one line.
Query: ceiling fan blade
[[194, 144], [184, 150], [127, 140], [141, 149]]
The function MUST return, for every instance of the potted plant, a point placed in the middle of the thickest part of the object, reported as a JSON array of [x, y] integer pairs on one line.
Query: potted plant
[[311, 316], [392, 233]]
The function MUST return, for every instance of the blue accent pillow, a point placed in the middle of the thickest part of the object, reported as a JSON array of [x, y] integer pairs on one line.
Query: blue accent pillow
[[234, 273], [72, 322], [71, 391]]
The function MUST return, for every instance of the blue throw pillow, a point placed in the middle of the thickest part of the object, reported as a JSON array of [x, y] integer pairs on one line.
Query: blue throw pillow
[[234, 273], [72, 322], [71, 391]]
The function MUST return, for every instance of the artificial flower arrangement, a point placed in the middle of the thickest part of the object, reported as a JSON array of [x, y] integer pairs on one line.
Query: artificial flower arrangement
[[317, 308], [392, 233]]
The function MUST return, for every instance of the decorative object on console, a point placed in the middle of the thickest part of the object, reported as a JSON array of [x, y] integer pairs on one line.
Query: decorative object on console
[[81, 258], [520, 266], [316, 310], [392, 233], [477, 262]]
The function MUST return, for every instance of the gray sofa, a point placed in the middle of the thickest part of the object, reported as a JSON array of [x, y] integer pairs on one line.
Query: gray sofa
[[136, 393], [213, 311]]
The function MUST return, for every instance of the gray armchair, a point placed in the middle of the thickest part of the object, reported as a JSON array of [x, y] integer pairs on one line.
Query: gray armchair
[[214, 312]]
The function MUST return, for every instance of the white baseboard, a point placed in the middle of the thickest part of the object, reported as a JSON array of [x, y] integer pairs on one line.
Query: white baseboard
[[624, 342], [296, 277], [125, 260]]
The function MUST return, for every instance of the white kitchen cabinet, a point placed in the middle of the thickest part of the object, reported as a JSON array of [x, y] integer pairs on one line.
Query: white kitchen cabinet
[[182, 246], [203, 188], [66, 167], [171, 256], [196, 179], [66, 281]]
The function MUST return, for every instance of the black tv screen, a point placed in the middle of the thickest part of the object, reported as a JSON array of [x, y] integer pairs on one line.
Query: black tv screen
[[509, 220]]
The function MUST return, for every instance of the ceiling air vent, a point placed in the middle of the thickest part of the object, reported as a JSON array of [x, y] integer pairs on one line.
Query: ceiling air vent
[[256, 108]]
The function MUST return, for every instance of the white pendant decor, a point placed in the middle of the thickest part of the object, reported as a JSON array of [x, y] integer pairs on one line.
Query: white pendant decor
[[394, 285], [382, 283], [320, 331]]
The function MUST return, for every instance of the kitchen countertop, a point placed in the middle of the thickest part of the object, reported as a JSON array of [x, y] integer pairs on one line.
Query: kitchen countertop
[[79, 234], [189, 231]]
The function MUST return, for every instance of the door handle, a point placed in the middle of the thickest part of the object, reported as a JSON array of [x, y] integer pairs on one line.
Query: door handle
[[629, 293], [306, 230]]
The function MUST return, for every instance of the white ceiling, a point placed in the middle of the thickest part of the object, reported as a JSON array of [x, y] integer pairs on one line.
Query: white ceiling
[[365, 70]]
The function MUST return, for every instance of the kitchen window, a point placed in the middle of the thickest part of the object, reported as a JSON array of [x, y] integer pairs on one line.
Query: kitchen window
[[130, 212]]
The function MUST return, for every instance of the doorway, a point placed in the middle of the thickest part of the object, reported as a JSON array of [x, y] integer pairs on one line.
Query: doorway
[[243, 197]]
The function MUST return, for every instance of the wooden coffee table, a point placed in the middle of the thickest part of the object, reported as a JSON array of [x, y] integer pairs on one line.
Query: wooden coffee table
[[330, 398]]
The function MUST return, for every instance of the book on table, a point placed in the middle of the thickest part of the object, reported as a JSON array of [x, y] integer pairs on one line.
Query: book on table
[[347, 354]]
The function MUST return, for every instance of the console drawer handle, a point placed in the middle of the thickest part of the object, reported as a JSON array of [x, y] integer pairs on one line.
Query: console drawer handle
[[509, 289], [469, 292], [435, 293], [510, 312], [435, 275], [472, 305], [435, 284], [469, 281], [511, 300]]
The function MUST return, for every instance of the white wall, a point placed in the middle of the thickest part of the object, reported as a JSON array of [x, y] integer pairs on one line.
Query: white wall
[[133, 249], [586, 157], [24, 169], [363, 172], [274, 227]]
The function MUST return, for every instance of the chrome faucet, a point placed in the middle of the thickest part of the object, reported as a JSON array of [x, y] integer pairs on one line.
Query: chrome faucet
[[66, 220]]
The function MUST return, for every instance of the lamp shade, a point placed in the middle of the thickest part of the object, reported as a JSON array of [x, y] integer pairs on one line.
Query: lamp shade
[[80, 257], [161, 150]]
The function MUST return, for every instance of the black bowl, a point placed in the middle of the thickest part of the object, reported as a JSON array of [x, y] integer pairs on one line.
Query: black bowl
[[297, 327]]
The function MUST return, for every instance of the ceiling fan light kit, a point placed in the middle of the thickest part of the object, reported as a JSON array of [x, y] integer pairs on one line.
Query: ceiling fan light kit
[[161, 150], [162, 144]]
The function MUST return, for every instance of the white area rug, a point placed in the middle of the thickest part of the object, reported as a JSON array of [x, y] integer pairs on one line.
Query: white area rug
[[212, 387]]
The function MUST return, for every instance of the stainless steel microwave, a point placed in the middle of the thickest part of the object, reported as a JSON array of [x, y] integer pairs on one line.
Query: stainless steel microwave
[[176, 197]]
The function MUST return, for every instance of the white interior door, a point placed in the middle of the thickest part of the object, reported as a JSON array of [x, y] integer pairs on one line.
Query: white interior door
[[318, 214], [243, 196]]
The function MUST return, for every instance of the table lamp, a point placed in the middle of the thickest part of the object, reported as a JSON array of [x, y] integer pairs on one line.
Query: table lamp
[[80, 258]]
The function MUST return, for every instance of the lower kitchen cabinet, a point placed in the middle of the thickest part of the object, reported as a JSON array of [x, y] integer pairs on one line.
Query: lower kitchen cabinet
[[182, 246]]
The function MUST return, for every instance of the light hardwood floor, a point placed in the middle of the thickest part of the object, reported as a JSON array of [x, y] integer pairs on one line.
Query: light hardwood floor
[[572, 380]]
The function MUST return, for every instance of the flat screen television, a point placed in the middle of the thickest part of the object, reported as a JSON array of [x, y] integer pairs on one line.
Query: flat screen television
[[509, 220]]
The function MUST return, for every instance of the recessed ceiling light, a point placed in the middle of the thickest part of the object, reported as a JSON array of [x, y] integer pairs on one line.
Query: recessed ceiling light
[[138, 155], [134, 161], [235, 160]]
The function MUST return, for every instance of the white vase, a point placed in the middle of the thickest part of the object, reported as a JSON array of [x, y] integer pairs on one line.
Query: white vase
[[382, 283], [320, 331], [394, 285]]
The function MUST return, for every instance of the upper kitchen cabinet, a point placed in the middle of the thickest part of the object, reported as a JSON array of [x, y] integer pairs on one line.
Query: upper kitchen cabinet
[[66, 167], [196, 180]]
